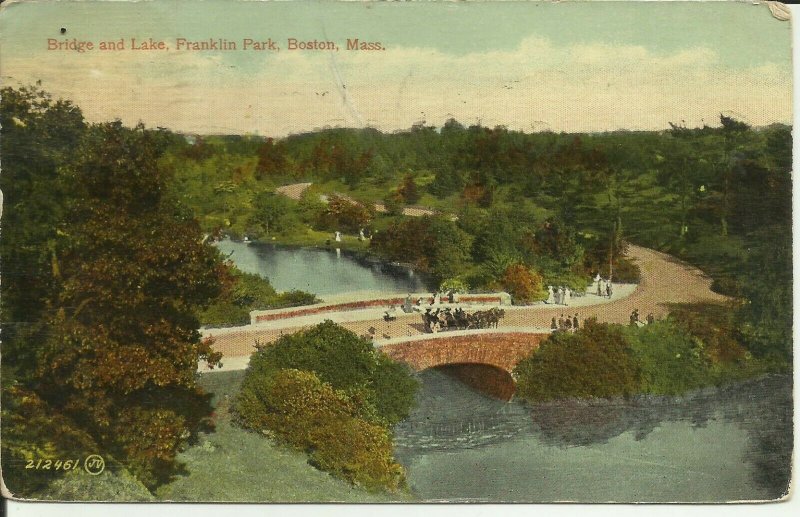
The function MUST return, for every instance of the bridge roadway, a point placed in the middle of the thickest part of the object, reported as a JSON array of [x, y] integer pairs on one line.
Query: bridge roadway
[[665, 280]]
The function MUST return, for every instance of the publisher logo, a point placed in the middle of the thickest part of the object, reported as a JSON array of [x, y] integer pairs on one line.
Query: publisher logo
[[94, 464]]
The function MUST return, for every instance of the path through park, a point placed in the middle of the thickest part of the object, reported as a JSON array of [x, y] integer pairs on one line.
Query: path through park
[[664, 281]]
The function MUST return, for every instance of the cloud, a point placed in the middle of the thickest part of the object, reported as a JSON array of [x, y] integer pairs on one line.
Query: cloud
[[572, 88]]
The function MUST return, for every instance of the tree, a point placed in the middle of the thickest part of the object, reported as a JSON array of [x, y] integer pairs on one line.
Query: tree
[[408, 190], [433, 244], [118, 348], [596, 361], [346, 215], [38, 134], [522, 284], [272, 159], [273, 213]]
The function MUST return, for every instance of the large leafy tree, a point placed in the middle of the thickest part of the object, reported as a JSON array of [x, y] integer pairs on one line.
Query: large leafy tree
[[38, 133], [107, 274]]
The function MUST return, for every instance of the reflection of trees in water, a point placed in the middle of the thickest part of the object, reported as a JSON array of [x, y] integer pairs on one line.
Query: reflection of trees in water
[[769, 427], [762, 408]]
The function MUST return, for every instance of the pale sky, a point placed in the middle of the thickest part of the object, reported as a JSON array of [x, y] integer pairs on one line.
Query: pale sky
[[572, 66]]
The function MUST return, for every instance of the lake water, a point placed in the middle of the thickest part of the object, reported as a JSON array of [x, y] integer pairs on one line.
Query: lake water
[[318, 271], [724, 444]]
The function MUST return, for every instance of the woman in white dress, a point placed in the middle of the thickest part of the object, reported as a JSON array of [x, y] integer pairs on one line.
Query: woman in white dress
[[567, 295], [551, 299]]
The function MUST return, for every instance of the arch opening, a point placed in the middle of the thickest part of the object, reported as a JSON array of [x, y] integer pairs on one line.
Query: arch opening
[[483, 378]]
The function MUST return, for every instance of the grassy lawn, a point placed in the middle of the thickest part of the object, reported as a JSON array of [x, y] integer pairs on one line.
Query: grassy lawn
[[231, 464], [317, 239]]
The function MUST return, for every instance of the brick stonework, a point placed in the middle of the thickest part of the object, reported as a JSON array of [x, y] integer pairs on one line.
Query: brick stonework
[[503, 351]]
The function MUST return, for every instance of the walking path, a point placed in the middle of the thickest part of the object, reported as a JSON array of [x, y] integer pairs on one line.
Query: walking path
[[664, 281], [295, 191]]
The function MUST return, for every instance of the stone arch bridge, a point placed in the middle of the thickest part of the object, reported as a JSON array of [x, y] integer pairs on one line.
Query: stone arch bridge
[[500, 348]]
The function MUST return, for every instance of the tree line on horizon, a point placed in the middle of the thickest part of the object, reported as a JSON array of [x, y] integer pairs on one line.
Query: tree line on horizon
[[106, 267]]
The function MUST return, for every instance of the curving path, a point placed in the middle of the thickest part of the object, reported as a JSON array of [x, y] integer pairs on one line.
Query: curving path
[[664, 281]]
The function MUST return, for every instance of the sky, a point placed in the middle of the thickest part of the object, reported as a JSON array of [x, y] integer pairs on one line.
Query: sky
[[569, 66]]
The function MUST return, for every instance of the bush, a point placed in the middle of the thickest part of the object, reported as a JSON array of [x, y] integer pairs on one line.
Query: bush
[[596, 361], [309, 414], [328, 392], [345, 361], [454, 284], [522, 284], [670, 359], [244, 292]]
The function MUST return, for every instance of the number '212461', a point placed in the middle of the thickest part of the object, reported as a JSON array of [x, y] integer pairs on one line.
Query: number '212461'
[[52, 464]]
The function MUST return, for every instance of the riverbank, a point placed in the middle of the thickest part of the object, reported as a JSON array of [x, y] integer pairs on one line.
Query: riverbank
[[230, 464]]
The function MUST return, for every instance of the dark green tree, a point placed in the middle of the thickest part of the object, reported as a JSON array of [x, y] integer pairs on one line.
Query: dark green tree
[[117, 347]]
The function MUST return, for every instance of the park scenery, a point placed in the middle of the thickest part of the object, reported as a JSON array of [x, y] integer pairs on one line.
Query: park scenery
[[409, 303]]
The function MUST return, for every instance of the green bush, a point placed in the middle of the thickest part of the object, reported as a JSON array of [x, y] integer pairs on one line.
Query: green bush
[[309, 414], [593, 362], [670, 359], [345, 361], [245, 292], [326, 391]]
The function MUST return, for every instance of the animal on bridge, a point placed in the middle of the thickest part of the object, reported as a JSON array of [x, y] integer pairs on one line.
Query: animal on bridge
[[441, 320]]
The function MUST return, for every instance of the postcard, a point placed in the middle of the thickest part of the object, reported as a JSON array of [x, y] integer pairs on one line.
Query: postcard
[[405, 252]]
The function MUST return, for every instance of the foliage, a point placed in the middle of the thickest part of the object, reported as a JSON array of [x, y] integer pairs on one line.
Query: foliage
[[670, 359], [244, 292], [433, 244], [32, 430], [408, 190], [301, 410], [218, 461], [522, 284], [325, 390], [767, 313], [273, 214], [344, 215], [393, 202], [454, 284], [118, 271], [696, 346], [594, 362], [345, 361]]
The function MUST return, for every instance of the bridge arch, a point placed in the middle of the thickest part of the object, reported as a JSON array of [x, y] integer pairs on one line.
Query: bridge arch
[[499, 349]]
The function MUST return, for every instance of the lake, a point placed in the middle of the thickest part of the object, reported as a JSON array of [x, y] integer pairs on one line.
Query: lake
[[319, 271], [714, 445]]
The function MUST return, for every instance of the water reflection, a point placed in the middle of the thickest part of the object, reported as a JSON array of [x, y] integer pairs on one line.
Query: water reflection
[[732, 443], [320, 271]]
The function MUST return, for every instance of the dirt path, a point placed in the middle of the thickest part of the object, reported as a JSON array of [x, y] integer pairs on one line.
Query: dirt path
[[664, 281], [295, 191]]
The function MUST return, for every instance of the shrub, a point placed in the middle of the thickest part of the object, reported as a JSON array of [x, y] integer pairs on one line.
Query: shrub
[[454, 284], [596, 361], [244, 292], [522, 284], [344, 215], [309, 414], [408, 190], [670, 359]]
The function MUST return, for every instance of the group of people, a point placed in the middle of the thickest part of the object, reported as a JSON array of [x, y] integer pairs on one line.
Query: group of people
[[565, 324], [603, 286], [560, 296], [636, 322]]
